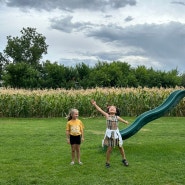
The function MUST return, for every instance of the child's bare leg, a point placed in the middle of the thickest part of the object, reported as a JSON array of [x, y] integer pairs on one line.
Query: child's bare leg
[[78, 152], [122, 152], [73, 152], [125, 162], [109, 150]]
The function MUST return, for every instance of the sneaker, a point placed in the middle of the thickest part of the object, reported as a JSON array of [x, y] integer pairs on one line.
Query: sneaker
[[72, 163], [80, 163], [107, 165], [125, 162]]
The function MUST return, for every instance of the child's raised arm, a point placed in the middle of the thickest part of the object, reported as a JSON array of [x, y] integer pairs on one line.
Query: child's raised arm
[[98, 108], [122, 120]]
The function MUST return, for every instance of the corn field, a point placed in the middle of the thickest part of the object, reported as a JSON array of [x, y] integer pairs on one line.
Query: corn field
[[56, 103]]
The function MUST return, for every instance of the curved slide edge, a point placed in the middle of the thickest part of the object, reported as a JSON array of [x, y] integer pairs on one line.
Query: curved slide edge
[[174, 98]]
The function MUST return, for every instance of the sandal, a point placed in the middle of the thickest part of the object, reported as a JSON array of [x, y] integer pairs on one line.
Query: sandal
[[125, 162], [72, 163], [107, 165]]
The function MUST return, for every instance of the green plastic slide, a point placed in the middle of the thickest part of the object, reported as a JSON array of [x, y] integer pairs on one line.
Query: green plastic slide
[[173, 99]]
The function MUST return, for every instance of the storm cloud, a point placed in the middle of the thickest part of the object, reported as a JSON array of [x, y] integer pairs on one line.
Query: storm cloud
[[150, 33], [70, 4]]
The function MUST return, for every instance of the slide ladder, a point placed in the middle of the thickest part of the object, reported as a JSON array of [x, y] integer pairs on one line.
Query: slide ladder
[[173, 99]]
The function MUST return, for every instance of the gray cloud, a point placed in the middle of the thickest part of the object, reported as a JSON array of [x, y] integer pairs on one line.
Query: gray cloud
[[178, 2], [115, 55], [109, 56], [70, 4], [66, 24], [128, 19], [75, 61], [108, 36], [107, 33], [108, 16], [164, 42], [161, 40]]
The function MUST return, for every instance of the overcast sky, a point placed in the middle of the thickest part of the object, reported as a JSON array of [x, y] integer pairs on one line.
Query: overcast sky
[[139, 32]]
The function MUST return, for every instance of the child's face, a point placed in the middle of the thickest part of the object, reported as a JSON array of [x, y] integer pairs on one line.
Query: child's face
[[75, 115], [112, 110]]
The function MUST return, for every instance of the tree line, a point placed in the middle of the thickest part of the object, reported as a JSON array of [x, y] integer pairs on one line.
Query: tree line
[[21, 67]]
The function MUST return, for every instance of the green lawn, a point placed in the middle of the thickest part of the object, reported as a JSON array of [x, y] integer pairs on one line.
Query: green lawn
[[34, 151]]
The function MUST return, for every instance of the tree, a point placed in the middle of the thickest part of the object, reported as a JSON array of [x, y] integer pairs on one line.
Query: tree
[[53, 75], [83, 73], [20, 75], [172, 79], [183, 80], [28, 48], [142, 76], [3, 63], [119, 74]]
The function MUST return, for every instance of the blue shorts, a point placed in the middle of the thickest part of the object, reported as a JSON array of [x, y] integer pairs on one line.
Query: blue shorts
[[75, 140]]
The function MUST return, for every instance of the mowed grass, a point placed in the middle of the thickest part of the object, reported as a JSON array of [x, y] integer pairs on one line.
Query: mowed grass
[[34, 151]]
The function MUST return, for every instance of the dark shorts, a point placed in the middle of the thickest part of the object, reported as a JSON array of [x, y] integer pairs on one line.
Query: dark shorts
[[75, 140]]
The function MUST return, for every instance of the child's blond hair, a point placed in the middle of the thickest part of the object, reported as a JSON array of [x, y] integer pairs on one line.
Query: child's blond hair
[[71, 112]]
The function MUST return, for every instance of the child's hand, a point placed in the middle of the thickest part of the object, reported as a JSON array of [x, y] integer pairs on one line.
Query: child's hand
[[68, 141], [93, 102], [126, 122]]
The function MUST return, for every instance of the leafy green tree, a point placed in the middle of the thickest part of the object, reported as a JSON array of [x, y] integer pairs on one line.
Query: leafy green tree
[[21, 75], [132, 81], [99, 75], [23, 55], [121, 74], [142, 76], [99, 78], [83, 70], [154, 78], [83, 75], [3, 63], [183, 80], [172, 79], [53, 75], [28, 48], [72, 77]]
